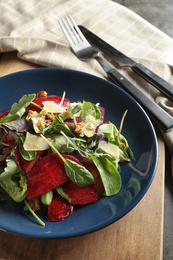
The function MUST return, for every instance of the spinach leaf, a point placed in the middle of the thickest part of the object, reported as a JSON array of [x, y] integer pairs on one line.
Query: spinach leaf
[[91, 109], [108, 169], [78, 173], [62, 144], [27, 155]]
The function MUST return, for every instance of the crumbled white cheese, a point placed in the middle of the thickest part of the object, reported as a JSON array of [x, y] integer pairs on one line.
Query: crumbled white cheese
[[34, 142], [35, 124], [52, 107], [109, 148]]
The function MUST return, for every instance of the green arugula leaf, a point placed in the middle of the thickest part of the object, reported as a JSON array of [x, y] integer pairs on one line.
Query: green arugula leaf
[[9, 170], [71, 114], [56, 127], [62, 193], [112, 134], [13, 181], [76, 109], [18, 109], [110, 131], [80, 145], [15, 189], [28, 206], [124, 146]]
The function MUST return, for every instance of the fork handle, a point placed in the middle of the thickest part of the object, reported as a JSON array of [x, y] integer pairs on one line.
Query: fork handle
[[160, 116]]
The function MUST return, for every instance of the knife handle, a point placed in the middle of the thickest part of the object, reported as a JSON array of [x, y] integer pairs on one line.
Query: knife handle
[[160, 116], [159, 83]]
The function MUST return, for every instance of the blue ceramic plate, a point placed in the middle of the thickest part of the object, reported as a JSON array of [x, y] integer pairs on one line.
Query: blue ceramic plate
[[136, 177]]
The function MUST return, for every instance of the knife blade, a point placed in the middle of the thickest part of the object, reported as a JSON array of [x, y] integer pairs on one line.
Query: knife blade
[[123, 61]]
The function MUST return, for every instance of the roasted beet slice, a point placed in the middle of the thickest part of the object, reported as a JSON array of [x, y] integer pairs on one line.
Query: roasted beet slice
[[102, 116], [47, 174], [9, 139], [25, 165], [59, 208], [72, 157], [80, 195], [4, 113]]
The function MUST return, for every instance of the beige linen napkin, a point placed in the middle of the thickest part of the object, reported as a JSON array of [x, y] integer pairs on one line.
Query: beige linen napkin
[[32, 28]]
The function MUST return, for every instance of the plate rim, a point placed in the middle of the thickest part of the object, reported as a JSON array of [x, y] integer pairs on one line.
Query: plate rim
[[142, 110]]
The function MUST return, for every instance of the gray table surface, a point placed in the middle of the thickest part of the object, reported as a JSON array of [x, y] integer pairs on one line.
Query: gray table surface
[[160, 14]]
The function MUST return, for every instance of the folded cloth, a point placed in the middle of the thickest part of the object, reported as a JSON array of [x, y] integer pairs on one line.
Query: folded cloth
[[31, 28]]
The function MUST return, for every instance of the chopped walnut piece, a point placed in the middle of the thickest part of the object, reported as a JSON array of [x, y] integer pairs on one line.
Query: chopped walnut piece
[[90, 126], [80, 128]]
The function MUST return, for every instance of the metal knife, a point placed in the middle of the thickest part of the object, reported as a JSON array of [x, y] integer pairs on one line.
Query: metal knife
[[160, 116], [123, 61]]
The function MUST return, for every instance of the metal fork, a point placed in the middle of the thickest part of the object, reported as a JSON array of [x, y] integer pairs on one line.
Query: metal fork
[[83, 50], [77, 40]]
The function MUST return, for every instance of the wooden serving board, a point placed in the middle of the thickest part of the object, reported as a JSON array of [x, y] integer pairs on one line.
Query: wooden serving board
[[137, 236]]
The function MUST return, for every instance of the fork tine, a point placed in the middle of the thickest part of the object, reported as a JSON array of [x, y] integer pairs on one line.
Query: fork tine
[[79, 33], [65, 27], [72, 31], [74, 28]]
